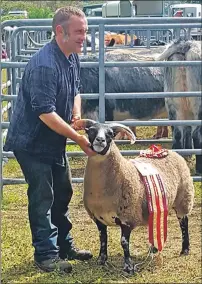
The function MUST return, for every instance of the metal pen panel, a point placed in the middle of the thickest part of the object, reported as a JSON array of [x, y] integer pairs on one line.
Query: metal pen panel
[[101, 75], [143, 26]]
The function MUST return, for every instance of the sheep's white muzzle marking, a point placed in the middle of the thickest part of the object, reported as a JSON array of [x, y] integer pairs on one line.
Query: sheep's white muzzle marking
[[99, 147], [100, 141]]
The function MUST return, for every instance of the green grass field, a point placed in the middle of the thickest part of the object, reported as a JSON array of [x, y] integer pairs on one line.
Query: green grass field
[[17, 251]]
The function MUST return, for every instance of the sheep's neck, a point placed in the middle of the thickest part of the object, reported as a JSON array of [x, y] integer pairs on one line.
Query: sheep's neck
[[101, 169]]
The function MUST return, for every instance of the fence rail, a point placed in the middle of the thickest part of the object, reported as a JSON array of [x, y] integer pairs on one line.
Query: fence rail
[[18, 48]]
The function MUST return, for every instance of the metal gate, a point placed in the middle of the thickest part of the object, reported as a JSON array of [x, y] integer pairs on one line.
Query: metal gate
[[19, 52]]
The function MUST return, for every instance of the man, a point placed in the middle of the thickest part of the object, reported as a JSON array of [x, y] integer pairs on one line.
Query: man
[[47, 103]]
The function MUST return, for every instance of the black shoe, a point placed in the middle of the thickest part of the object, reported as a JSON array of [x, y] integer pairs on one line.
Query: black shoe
[[54, 264], [75, 253]]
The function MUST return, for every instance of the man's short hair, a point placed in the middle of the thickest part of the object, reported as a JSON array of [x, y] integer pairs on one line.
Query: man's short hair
[[62, 15]]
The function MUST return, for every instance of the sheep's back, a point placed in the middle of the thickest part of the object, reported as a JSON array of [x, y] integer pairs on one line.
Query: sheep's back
[[176, 178], [175, 174]]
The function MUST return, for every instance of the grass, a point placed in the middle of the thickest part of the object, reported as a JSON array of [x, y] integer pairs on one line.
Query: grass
[[4, 92], [17, 252]]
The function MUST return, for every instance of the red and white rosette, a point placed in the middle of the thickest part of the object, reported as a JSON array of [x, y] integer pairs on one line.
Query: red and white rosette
[[154, 151]]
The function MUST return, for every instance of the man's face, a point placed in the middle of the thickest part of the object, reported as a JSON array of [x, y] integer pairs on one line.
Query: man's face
[[74, 34]]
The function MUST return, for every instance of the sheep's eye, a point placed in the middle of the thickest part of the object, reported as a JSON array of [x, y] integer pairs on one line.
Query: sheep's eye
[[110, 133], [91, 130]]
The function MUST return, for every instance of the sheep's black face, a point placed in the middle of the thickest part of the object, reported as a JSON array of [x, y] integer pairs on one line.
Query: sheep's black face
[[100, 137]]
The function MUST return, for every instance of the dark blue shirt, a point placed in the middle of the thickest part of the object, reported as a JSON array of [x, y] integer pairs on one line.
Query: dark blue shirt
[[50, 83]]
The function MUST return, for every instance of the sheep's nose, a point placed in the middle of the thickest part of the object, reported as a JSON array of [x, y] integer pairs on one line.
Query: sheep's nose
[[100, 139]]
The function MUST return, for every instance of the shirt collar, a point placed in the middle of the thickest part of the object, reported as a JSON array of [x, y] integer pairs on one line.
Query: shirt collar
[[70, 60]]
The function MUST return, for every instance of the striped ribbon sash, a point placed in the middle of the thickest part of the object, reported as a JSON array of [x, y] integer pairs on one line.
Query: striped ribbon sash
[[157, 203]]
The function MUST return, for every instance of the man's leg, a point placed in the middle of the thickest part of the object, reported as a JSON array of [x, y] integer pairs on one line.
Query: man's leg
[[62, 187], [40, 196]]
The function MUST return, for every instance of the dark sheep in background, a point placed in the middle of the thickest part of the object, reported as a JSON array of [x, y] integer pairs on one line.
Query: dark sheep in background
[[123, 80]]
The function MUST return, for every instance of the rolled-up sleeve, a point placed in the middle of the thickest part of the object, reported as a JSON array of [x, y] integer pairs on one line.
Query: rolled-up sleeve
[[43, 89]]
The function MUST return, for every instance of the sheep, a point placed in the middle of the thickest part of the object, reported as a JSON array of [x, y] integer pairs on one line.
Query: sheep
[[125, 79], [184, 108], [114, 194]]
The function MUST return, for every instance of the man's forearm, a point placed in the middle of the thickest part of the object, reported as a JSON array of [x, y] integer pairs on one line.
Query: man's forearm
[[77, 106], [57, 124]]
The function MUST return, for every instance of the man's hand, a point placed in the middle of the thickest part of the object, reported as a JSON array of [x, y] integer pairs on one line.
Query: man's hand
[[74, 118], [57, 124], [84, 143]]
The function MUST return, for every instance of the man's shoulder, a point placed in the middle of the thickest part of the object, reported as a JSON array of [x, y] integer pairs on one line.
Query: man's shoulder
[[44, 57]]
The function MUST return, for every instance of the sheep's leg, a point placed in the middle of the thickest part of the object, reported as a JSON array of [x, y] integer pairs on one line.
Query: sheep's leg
[[177, 131], [177, 137], [162, 131], [103, 242], [125, 239], [185, 235], [197, 139]]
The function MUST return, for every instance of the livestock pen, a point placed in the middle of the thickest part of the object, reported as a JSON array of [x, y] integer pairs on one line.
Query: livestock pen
[[16, 251]]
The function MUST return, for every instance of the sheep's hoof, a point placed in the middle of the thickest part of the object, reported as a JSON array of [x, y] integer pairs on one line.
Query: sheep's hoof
[[154, 250], [102, 260], [184, 252], [129, 268]]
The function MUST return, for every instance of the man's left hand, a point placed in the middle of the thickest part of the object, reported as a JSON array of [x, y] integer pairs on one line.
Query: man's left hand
[[74, 118]]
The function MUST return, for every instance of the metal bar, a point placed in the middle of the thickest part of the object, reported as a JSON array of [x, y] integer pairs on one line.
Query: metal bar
[[138, 141], [159, 123], [93, 40], [30, 28], [29, 51], [150, 27], [22, 57], [119, 96], [19, 50], [10, 64], [9, 181], [84, 96], [107, 27], [100, 20], [101, 75], [117, 64], [148, 38], [151, 63], [147, 95], [183, 152], [5, 125]]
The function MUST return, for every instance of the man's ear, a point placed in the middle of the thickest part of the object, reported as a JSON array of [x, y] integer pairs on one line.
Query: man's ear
[[59, 30]]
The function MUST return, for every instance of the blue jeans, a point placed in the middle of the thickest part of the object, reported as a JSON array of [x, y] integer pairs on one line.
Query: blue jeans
[[49, 194]]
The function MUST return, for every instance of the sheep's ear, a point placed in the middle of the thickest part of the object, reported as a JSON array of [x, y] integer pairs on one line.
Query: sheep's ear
[[83, 124], [122, 130]]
